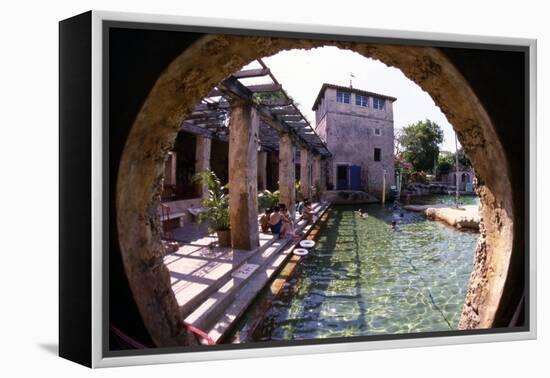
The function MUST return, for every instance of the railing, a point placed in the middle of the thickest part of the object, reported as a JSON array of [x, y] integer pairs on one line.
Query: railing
[[166, 222]]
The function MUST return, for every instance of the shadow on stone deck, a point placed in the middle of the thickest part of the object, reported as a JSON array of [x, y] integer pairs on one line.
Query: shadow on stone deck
[[211, 283]]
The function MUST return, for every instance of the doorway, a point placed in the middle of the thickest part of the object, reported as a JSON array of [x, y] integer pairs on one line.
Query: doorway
[[342, 177]]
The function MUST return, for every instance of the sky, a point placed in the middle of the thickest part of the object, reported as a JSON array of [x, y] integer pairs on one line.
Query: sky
[[302, 72]]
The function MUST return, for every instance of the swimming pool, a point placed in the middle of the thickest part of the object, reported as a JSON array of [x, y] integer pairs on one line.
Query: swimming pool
[[365, 279], [446, 199]]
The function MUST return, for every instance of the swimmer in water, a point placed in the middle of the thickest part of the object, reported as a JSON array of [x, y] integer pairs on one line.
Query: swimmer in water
[[361, 213], [394, 226]]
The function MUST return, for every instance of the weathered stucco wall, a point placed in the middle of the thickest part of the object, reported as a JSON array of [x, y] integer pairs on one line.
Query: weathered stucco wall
[[210, 59], [349, 131]]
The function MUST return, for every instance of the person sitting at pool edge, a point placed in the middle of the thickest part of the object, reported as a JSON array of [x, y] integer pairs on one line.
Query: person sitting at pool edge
[[275, 221], [287, 229], [300, 206], [264, 220], [307, 211]]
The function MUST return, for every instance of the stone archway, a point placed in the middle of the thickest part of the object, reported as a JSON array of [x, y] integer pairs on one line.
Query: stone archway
[[212, 58]]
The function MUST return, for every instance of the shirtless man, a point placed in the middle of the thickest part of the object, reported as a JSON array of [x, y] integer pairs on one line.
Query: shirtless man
[[275, 221]]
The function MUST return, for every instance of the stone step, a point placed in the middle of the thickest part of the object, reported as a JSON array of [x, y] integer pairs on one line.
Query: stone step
[[204, 279], [232, 309], [220, 297], [207, 277], [210, 310]]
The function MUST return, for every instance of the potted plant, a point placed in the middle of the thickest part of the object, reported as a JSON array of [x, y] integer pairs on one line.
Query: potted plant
[[216, 204]]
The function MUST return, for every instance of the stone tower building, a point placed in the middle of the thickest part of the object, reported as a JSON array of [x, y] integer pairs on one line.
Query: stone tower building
[[357, 127]]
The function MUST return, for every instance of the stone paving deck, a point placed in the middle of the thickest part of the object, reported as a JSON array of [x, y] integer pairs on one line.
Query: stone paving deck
[[197, 269], [241, 299], [201, 272]]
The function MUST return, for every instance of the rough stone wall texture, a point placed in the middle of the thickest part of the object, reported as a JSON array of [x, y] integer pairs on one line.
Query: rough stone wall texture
[[272, 171], [202, 159], [287, 173], [243, 176], [321, 129], [450, 179], [305, 177], [212, 58], [350, 137], [262, 170]]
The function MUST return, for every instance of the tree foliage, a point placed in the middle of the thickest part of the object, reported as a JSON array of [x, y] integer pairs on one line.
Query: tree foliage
[[445, 163], [463, 159], [420, 144]]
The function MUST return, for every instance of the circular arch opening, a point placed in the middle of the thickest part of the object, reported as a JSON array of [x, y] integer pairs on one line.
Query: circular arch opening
[[211, 59]]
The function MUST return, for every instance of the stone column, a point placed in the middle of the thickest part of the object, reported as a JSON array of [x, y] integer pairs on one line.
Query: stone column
[[170, 169], [316, 171], [323, 174], [262, 170], [202, 158], [304, 172], [243, 177], [287, 175]]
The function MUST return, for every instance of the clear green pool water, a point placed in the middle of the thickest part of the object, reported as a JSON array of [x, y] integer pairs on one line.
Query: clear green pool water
[[445, 199], [365, 279]]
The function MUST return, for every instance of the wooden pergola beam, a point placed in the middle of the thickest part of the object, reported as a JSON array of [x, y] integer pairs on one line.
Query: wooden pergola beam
[[261, 88], [195, 129], [286, 111], [206, 122], [206, 117], [290, 118], [206, 113], [301, 124], [252, 73], [277, 102], [272, 112], [212, 106]]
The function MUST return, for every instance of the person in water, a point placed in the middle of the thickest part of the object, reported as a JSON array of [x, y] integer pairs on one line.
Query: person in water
[[362, 213], [394, 226], [264, 220]]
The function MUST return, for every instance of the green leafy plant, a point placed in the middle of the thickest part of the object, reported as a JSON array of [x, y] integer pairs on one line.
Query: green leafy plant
[[267, 199], [216, 202], [298, 190]]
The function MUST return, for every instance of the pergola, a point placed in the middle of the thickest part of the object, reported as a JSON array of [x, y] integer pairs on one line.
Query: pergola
[[255, 119], [277, 111]]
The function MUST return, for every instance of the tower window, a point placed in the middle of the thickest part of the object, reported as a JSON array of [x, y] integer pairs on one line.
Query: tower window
[[378, 103], [361, 100], [377, 154], [343, 97], [377, 132]]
